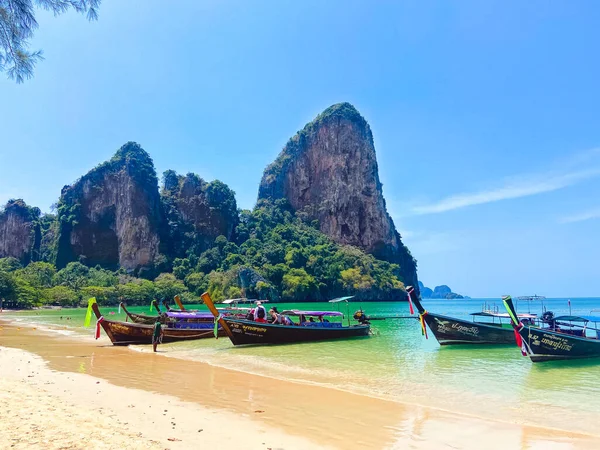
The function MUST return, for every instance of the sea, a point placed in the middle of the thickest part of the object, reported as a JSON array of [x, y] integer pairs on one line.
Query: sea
[[399, 364]]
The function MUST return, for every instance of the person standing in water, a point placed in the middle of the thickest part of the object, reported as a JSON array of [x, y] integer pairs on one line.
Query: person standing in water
[[157, 334]]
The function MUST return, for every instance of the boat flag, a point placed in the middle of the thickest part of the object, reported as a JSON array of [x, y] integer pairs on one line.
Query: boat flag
[[151, 306], [410, 305], [88, 314], [97, 333]]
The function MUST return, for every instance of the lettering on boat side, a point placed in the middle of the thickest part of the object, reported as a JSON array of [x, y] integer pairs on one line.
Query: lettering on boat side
[[254, 328], [551, 341], [250, 330], [443, 327]]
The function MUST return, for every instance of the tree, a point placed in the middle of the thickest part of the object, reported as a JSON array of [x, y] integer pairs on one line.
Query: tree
[[7, 286], [17, 25], [167, 286], [10, 264]]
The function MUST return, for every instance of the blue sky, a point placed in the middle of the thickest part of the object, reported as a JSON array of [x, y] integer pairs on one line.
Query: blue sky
[[485, 116]]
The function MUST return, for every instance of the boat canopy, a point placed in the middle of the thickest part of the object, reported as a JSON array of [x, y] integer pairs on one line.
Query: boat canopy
[[295, 312], [503, 315], [341, 299], [242, 300], [531, 298], [579, 318], [190, 315]]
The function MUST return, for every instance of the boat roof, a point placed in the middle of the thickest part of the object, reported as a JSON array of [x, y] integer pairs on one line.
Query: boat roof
[[503, 315], [579, 318], [341, 299], [530, 298], [188, 315], [242, 300], [295, 312]]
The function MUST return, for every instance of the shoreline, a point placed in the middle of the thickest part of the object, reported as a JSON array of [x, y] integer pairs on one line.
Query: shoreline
[[328, 416]]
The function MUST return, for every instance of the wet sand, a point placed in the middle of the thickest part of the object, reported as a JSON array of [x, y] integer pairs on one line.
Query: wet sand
[[281, 414]]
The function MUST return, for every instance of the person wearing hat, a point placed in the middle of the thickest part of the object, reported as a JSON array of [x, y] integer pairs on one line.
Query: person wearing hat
[[260, 313]]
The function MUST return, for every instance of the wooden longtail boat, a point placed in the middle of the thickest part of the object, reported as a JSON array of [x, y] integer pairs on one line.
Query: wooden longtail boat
[[125, 333], [171, 317], [450, 330], [143, 318], [561, 338], [242, 331]]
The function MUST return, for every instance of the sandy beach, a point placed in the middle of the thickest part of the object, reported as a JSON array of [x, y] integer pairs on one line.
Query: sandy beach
[[80, 393]]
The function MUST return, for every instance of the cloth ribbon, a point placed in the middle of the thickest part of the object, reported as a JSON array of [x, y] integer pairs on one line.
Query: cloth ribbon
[[410, 304], [423, 326], [88, 314], [216, 329], [97, 333]]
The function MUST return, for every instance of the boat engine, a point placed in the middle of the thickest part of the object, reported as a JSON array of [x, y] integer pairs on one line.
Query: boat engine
[[361, 317], [548, 318]]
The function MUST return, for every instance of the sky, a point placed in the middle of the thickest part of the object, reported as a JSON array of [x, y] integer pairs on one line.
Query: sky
[[485, 116]]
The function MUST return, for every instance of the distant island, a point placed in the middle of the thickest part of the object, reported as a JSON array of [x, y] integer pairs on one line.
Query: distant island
[[442, 291]]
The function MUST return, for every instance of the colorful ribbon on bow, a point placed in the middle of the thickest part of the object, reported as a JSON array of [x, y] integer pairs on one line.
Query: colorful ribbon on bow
[[97, 333], [216, 330], [423, 326], [410, 305], [88, 314]]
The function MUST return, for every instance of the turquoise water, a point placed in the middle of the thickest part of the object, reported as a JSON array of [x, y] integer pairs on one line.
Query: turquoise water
[[397, 363]]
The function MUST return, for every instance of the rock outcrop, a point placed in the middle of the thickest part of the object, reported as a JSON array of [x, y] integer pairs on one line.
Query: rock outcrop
[[18, 231], [111, 216], [197, 212], [328, 172]]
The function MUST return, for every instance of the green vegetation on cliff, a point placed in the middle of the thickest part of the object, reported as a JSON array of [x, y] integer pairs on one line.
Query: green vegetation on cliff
[[276, 255]]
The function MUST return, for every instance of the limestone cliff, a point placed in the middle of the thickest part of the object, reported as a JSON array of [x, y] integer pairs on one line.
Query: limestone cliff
[[18, 230], [111, 216], [197, 212], [328, 171]]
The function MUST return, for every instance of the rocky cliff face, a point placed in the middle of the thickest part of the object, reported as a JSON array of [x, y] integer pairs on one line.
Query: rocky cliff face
[[18, 229], [197, 212], [111, 216], [328, 171]]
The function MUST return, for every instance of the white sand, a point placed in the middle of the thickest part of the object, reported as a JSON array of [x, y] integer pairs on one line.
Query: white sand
[[40, 408]]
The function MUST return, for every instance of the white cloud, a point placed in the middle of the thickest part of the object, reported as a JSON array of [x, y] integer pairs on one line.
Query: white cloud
[[527, 185], [586, 215]]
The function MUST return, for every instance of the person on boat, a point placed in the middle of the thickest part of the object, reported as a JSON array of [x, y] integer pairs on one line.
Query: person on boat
[[276, 318], [157, 334], [260, 313]]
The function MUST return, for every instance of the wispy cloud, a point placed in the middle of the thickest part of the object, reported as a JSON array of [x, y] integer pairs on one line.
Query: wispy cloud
[[586, 215], [515, 187]]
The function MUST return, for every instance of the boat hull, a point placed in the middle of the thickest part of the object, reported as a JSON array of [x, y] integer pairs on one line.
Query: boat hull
[[545, 345], [450, 331], [245, 332]]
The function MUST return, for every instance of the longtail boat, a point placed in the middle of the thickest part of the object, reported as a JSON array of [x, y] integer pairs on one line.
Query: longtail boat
[[170, 317], [126, 333], [496, 329], [142, 318], [243, 331], [559, 338]]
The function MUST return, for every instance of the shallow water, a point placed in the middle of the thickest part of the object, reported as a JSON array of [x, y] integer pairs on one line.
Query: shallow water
[[399, 364]]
